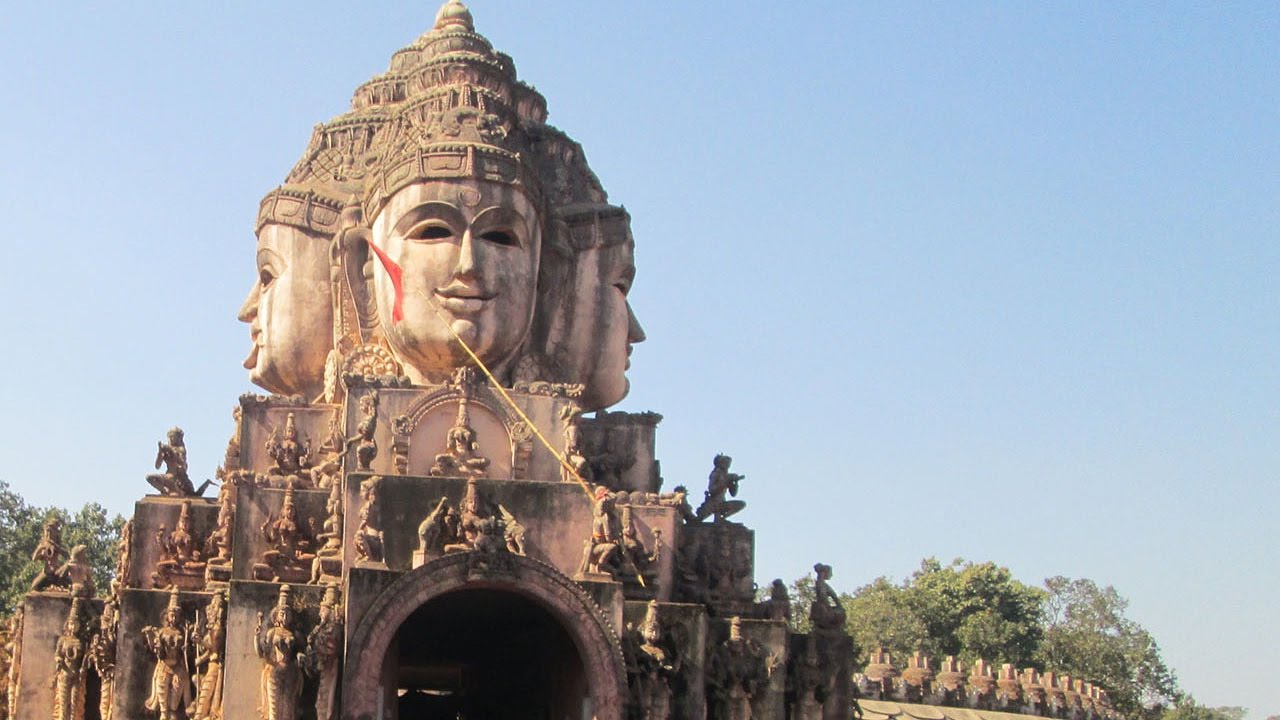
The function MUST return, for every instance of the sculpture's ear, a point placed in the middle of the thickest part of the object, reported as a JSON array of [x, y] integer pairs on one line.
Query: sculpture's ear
[[355, 307]]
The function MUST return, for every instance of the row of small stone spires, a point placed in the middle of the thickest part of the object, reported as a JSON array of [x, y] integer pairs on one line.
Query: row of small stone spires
[[1030, 692]]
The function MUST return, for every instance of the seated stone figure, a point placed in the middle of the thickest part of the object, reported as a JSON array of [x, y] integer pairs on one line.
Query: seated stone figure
[[461, 455], [181, 563], [173, 455]]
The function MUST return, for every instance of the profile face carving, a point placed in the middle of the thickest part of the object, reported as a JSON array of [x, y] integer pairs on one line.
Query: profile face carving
[[467, 254], [602, 326], [289, 311]]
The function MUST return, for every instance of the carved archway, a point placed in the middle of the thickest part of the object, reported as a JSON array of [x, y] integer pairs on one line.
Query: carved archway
[[582, 620]]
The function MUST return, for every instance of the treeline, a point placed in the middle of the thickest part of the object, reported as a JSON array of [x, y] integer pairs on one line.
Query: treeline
[[979, 610], [20, 526]]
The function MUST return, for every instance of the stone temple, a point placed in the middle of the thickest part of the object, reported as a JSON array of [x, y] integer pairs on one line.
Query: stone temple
[[432, 514]]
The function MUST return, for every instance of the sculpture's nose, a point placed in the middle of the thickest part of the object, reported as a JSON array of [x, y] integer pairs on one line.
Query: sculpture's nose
[[635, 333], [249, 310], [467, 261]]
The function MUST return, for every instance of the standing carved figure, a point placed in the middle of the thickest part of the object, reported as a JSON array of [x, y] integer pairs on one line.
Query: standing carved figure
[[366, 446], [218, 546], [324, 651], [277, 645], [369, 532], [15, 660], [721, 483], [211, 639], [738, 673], [171, 679], [68, 667], [825, 612], [174, 481], [102, 656], [123, 553], [651, 667], [48, 553]]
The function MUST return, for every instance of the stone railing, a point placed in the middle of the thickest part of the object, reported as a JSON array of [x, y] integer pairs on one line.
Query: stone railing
[[1028, 692]]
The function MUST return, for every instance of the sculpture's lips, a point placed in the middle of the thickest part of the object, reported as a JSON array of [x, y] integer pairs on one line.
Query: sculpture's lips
[[251, 362], [463, 299]]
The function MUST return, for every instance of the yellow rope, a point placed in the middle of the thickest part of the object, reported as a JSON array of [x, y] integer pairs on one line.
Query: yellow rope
[[501, 391]]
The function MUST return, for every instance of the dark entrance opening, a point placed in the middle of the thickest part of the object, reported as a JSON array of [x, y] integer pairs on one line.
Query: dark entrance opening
[[482, 653]]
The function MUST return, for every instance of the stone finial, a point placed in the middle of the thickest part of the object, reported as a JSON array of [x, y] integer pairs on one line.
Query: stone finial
[[453, 15]]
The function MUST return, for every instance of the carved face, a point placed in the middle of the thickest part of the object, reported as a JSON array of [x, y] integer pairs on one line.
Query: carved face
[[289, 312], [468, 253], [602, 327]]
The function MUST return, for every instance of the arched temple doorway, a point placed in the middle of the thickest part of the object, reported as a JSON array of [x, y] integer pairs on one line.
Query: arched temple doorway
[[483, 653], [487, 636]]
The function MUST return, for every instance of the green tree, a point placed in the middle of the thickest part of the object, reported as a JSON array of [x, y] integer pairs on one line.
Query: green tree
[[20, 528], [879, 615], [1087, 635], [976, 610], [1186, 708], [965, 609]]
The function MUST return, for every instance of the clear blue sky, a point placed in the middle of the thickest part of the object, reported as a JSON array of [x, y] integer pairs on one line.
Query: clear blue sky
[[986, 280]]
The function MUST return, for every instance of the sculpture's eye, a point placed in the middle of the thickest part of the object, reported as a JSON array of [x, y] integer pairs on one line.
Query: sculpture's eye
[[501, 237], [429, 232], [624, 286], [266, 277]]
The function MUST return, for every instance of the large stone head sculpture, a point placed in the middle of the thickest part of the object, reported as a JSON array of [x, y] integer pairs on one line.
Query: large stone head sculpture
[[289, 308], [443, 188], [585, 325], [455, 209]]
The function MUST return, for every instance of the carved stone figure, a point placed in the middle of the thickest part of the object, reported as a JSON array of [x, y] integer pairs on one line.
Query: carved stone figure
[[15, 661], [579, 468], [218, 547], [328, 471], [181, 561], [513, 533], [327, 566], [778, 606], [324, 654], [278, 645], [651, 665], [48, 553], [825, 612], [462, 451], [102, 656], [211, 640], [369, 532], [678, 498], [738, 671], [69, 656], [635, 562], [600, 552], [291, 456], [171, 679], [123, 554], [174, 481], [439, 529], [472, 512], [77, 574], [290, 558], [810, 683], [366, 446], [719, 484]]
